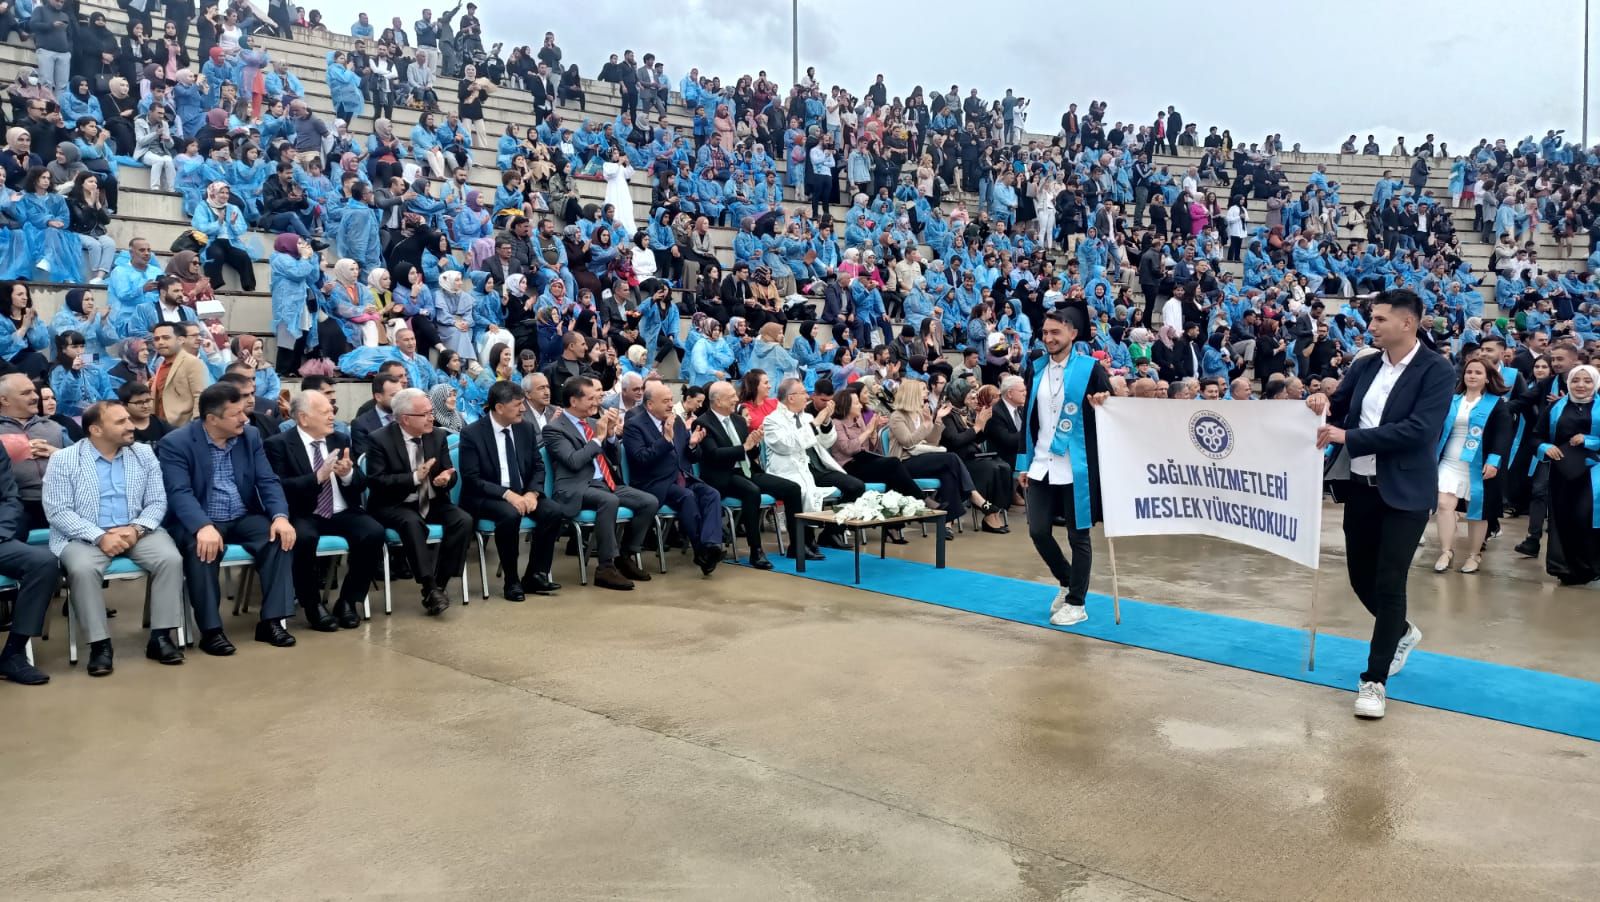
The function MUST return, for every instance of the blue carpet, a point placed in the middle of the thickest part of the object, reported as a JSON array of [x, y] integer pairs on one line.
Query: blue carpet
[[1529, 698]]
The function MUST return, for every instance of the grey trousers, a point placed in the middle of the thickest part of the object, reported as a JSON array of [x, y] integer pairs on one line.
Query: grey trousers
[[86, 565]]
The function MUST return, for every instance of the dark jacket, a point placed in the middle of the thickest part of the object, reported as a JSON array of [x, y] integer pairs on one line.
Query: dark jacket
[[287, 455], [187, 470], [389, 478], [1405, 439], [480, 462]]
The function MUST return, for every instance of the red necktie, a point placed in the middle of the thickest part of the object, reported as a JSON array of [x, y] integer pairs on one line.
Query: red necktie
[[605, 465]]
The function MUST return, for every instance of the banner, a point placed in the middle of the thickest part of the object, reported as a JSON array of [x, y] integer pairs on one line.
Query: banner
[[1245, 471]]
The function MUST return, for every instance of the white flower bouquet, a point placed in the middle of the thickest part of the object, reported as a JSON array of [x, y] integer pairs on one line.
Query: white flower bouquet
[[879, 506]]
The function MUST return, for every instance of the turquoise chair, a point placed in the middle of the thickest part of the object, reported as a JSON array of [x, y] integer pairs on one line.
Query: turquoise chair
[[391, 539], [327, 546], [483, 531], [663, 514], [584, 520], [730, 527]]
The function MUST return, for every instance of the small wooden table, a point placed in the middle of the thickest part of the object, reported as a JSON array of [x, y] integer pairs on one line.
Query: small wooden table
[[859, 528]]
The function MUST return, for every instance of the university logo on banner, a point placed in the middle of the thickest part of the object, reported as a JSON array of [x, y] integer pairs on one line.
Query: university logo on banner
[[1245, 471]]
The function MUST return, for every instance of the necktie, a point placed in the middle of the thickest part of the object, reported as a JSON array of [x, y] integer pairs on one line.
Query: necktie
[[811, 453], [514, 472], [325, 493], [677, 460], [744, 456], [605, 465], [425, 489]]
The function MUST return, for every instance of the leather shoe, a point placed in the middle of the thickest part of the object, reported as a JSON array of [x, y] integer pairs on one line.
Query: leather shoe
[[629, 569], [997, 530], [708, 558], [612, 578], [100, 659], [318, 618], [216, 644], [538, 585], [513, 592], [813, 554], [758, 559], [273, 633], [348, 615], [434, 601], [162, 649], [17, 669]]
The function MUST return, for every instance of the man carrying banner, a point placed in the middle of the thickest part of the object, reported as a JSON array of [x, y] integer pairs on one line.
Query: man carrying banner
[[1388, 413], [1057, 468]]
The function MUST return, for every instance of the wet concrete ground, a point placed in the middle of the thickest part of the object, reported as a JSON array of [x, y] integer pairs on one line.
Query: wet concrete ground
[[756, 736]]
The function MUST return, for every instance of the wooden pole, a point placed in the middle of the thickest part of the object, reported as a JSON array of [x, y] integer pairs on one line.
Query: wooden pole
[[1316, 596], [1116, 588]]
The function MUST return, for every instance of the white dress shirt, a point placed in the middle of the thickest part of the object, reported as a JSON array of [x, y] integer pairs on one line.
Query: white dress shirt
[[339, 503], [502, 442], [1046, 465], [1372, 405]]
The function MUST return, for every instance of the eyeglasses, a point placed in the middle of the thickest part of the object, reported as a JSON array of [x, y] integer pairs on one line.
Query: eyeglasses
[[426, 415]]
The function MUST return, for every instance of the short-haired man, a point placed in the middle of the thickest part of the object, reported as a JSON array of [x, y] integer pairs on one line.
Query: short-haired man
[[661, 453], [178, 380], [104, 498], [587, 476], [502, 482], [378, 413], [141, 405], [30, 439], [323, 486], [221, 491], [410, 477]]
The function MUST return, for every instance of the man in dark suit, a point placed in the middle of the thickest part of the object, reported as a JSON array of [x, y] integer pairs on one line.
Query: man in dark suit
[[324, 485], [730, 462], [221, 491], [502, 481], [409, 478], [1387, 412], [36, 571], [582, 442], [378, 415], [1003, 432], [661, 451]]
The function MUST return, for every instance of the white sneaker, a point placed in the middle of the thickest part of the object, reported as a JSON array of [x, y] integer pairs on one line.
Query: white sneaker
[[1070, 615], [1061, 599], [1371, 700], [44, 264], [1408, 643]]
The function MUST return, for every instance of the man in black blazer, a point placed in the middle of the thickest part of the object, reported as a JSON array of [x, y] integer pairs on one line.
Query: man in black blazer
[[730, 462], [502, 481], [1388, 413], [323, 486], [586, 475], [1003, 432], [376, 415], [661, 452], [409, 478]]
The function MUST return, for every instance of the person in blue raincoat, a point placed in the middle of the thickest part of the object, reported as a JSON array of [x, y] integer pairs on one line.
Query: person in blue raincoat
[[658, 322], [453, 312], [225, 228], [344, 86], [23, 335], [132, 283], [51, 248], [76, 380], [349, 303], [711, 358], [813, 355], [79, 313], [1014, 323], [296, 280]]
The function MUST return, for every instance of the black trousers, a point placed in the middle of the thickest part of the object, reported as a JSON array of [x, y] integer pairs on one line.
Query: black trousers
[[508, 536], [850, 488], [1538, 501], [1150, 291], [363, 562], [955, 483], [223, 252], [890, 471], [749, 492], [36, 571], [1379, 543], [274, 565], [433, 565], [1046, 502]]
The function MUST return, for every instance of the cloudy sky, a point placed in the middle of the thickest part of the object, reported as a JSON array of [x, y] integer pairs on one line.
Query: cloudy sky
[[1312, 73]]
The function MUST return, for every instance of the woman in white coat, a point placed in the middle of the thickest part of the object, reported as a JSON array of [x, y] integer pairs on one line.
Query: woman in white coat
[[618, 174]]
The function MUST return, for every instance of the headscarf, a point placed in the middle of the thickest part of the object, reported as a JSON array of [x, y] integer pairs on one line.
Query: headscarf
[[35, 91], [217, 119], [346, 271], [185, 265], [516, 285], [445, 415], [1168, 334], [472, 202], [64, 173], [130, 357], [349, 163], [450, 281], [216, 55], [375, 280], [1594, 377], [384, 129], [287, 243], [74, 301], [119, 87]]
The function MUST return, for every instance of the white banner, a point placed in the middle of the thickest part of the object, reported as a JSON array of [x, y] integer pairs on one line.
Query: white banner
[[1245, 471]]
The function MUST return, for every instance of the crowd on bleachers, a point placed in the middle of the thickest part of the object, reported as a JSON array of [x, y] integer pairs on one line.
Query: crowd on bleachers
[[918, 308]]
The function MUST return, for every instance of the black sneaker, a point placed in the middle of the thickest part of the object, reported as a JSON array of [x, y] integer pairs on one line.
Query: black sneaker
[[1527, 548]]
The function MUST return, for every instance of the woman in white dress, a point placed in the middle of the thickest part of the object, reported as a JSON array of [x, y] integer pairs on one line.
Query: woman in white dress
[[618, 174], [1474, 446]]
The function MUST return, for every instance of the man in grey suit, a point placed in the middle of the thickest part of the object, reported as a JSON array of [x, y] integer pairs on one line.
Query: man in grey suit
[[105, 498], [588, 476]]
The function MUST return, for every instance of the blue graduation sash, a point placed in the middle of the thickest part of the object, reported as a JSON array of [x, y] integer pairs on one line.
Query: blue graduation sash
[[1068, 438], [1592, 443], [1509, 374], [1472, 452]]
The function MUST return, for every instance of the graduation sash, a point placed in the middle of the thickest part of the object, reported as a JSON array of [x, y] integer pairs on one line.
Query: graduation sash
[[1591, 443], [1472, 451], [1068, 438], [1509, 374]]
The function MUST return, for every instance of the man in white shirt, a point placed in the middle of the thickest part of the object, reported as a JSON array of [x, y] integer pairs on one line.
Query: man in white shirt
[[1057, 466]]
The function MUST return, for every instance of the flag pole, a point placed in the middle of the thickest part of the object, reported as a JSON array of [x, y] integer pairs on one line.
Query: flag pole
[[1116, 588], [1316, 596]]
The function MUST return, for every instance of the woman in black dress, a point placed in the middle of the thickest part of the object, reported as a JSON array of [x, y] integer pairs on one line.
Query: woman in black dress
[[1569, 437], [963, 436]]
